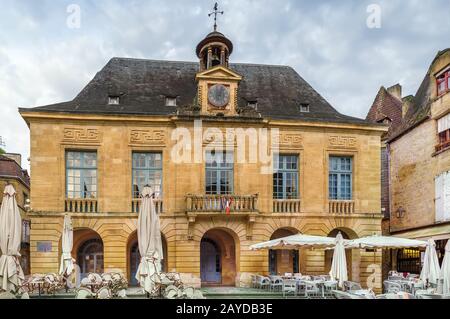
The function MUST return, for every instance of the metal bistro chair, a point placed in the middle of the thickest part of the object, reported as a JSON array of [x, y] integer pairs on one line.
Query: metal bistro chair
[[312, 290], [289, 286], [253, 282], [328, 287], [301, 288], [392, 286], [276, 282], [263, 282]]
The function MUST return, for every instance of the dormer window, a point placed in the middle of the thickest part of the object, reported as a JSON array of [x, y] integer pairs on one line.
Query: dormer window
[[171, 101], [443, 82], [252, 105], [114, 100], [304, 108]]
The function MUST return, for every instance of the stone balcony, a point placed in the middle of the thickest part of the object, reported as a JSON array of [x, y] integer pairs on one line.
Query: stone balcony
[[217, 203], [341, 207], [286, 206], [136, 203], [81, 205], [245, 206]]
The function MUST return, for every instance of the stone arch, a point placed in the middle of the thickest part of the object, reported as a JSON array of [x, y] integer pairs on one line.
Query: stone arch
[[133, 256], [219, 257], [352, 255], [283, 261], [88, 251]]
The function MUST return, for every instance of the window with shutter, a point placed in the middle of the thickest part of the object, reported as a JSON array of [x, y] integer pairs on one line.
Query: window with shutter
[[442, 197], [446, 212]]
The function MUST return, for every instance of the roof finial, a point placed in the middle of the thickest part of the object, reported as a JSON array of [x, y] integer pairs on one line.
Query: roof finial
[[215, 13]]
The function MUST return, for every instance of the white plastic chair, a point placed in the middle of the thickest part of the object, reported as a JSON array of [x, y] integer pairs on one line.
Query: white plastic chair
[[276, 282], [312, 290], [289, 286]]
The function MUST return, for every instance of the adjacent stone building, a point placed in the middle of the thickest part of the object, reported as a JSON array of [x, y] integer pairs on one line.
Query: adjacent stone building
[[418, 161], [91, 156], [11, 172]]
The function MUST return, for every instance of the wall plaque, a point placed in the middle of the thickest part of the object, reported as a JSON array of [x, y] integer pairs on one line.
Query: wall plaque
[[44, 246]]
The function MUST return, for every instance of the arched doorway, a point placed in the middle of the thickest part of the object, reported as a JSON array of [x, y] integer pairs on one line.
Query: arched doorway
[[351, 257], [218, 258], [90, 257], [283, 261], [88, 252], [134, 258]]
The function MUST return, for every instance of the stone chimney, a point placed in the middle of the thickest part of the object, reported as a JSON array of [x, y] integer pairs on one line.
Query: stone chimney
[[15, 157], [396, 91], [407, 103]]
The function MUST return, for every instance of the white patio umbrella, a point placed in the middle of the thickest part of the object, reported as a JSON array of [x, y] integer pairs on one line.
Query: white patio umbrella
[[11, 274], [431, 270], [339, 265], [296, 242], [445, 270], [67, 267], [150, 243], [385, 242]]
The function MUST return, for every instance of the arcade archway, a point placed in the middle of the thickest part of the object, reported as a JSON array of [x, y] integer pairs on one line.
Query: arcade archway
[[218, 266]]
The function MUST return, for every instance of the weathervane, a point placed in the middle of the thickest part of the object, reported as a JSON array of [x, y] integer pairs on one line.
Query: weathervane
[[215, 12]]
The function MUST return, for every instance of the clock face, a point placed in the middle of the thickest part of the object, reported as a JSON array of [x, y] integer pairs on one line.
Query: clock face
[[219, 95]]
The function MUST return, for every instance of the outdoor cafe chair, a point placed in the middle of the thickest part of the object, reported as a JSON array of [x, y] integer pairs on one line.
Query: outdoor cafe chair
[[276, 282], [392, 286], [312, 290], [289, 286], [301, 288], [253, 282], [341, 294], [395, 278], [263, 282], [328, 287], [288, 275], [350, 285]]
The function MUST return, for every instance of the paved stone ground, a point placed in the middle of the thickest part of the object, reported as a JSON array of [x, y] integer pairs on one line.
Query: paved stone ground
[[208, 292]]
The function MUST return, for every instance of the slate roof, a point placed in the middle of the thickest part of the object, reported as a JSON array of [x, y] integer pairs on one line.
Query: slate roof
[[10, 169], [385, 106], [144, 84], [420, 109]]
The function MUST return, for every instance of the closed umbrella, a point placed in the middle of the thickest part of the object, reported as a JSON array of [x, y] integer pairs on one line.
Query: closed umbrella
[[339, 265], [67, 262], [11, 274], [430, 269], [445, 270], [150, 243]]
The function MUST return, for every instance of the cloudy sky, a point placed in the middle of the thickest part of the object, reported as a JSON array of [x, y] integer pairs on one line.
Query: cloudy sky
[[44, 60]]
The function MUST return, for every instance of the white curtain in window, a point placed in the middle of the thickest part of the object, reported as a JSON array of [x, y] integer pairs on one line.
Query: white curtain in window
[[444, 123], [442, 200]]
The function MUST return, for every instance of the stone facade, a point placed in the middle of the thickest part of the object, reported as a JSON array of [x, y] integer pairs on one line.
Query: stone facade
[[415, 164], [190, 218], [115, 140]]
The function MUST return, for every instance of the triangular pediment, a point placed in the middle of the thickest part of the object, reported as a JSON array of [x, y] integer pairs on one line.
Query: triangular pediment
[[219, 72]]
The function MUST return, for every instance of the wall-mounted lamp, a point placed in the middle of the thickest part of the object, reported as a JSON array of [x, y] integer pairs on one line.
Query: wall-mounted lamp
[[400, 212]]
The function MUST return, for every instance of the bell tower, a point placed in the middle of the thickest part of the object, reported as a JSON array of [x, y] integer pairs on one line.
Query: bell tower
[[217, 83], [215, 49]]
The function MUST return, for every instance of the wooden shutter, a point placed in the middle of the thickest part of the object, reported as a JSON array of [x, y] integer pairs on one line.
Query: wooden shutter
[[439, 198], [446, 195]]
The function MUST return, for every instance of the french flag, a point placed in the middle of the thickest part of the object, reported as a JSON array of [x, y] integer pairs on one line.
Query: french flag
[[228, 206]]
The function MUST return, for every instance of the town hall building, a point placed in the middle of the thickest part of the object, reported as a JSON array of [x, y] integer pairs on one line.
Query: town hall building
[[91, 157]]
